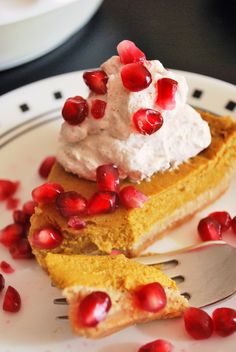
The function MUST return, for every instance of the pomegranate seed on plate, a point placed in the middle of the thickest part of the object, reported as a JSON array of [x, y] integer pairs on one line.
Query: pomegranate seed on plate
[[198, 323], [29, 207], [96, 81], [20, 217], [147, 121], [209, 229], [130, 197], [12, 203], [151, 297], [46, 238], [166, 90], [107, 177], [233, 224], [129, 52], [11, 234], [6, 267], [76, 223], [12, 300], [98, 108], [75, 110], [7, 188], [224, 320], [71, 203], [2, 282], [223, 218], [47, 193], [157, 346], [102, 202], [94, 308], [46, 166], [135, 77], [21, 250]]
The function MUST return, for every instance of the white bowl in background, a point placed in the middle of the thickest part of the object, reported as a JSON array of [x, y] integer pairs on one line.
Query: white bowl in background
[[32, 28]]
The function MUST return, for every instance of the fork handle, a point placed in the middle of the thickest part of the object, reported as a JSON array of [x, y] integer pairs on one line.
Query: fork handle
[[159, 258]]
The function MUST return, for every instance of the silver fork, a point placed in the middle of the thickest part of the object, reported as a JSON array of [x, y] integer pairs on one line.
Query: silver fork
[[205, 273]]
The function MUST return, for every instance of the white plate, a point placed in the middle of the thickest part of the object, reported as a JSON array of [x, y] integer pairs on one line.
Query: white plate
[[25, 139]]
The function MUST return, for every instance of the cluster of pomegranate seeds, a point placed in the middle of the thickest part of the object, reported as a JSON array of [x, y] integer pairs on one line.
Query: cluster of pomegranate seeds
[[7, 188], [12, 300], [94, 308], [102, 202], [46, 238], [6, 267], [75, 110], [46, 166], [71, 203], [130, 197], [166, 90], [215, 224], [107, 177], [151, 297], [129, 52], [46, 193], [96, 81], [76, 223], [198, 323], [157, 346], [98, 108], [147, 121], [135, 77], [224, 320]]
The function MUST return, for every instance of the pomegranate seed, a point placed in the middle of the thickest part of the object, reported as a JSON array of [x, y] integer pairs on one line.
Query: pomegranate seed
[[46, 166], [147, 121], [135, 77], [20, 217], [198, 323], [21, 250], [130, 197], [129, 52], [96, 81], [224, 320], [102, 202], [75, 110], [46, 238], [94, 308], [209, 229], [7, 188], [223, 218], [107, 176], [6, 267], [115, 252], [12, 300], [157, 346], [11, 234], [29, 207], [166, 89], [151, 297], [12, 203], [76, 223], [233, 224], [71, 203], [46, 193], [2, 282], [98, 108]]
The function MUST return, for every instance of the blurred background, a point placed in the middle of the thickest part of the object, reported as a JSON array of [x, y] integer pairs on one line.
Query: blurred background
[[191, 35]]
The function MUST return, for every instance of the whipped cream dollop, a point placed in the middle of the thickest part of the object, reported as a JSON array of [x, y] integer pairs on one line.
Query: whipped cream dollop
[[113, 138]]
